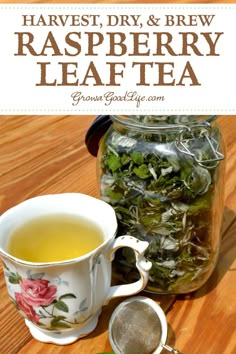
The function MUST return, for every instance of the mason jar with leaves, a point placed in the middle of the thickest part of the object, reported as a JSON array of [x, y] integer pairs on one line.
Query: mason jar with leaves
[[164, 178]]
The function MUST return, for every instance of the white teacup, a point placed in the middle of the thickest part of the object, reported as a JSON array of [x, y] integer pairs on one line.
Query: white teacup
[[61, 301]]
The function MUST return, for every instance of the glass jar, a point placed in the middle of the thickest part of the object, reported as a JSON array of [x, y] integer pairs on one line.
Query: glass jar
[[163, 177]]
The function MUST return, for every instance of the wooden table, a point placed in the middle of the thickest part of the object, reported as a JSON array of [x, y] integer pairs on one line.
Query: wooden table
[[47, 154]]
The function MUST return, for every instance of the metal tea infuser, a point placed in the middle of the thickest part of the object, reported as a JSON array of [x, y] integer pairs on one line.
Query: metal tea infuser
[[138, 326]]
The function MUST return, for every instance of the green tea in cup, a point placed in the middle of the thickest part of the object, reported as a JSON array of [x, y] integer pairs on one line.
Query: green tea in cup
[[57, 253], [56, 237]]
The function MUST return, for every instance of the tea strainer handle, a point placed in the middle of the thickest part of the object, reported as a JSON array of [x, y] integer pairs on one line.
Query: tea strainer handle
[[170, 349]]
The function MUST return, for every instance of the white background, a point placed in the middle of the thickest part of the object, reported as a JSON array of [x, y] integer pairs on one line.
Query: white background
[[19, 74]]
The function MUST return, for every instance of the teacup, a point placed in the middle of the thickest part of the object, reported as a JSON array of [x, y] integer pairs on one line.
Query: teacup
[[61, 300]]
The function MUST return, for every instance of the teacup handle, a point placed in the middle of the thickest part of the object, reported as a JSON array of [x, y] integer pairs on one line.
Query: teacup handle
[[142, 264]]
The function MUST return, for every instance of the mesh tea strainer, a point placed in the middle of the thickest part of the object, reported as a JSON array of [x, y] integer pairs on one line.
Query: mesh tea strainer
[[138, 326]]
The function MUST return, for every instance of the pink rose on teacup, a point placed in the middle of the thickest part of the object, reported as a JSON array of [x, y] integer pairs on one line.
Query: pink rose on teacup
[[26, 308], [37, 292]]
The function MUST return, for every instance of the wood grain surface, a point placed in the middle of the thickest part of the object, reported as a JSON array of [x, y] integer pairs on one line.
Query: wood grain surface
[[47, 154]]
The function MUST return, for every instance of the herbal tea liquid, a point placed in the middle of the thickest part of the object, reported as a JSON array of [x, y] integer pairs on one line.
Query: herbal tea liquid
[[54, 238]]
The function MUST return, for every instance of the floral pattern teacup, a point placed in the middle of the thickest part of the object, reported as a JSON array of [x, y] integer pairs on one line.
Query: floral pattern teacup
[[62, 301]]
